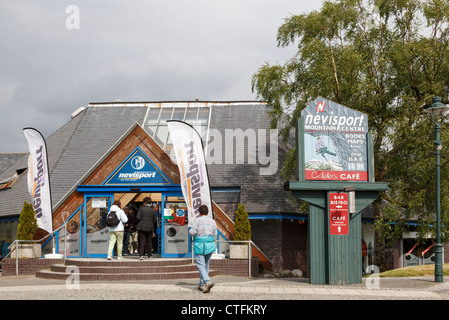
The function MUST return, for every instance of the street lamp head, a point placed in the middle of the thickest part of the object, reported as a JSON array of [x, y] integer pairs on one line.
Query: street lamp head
[[437, 109]]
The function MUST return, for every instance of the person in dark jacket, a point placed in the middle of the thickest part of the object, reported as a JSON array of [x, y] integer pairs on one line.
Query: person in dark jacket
[[130, 228], [146, 222]]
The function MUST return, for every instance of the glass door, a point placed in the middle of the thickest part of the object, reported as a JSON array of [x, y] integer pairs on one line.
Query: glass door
[[175, 231], [95, 232]]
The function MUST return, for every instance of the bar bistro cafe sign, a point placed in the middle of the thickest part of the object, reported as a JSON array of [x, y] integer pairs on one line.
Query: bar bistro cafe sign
[[335, 142]]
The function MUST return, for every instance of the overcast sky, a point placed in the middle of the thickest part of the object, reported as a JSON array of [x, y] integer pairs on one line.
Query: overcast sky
[[130, 50]]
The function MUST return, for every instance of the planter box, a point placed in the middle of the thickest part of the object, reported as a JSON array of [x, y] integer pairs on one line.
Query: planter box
[[238, 251], [27, 250]]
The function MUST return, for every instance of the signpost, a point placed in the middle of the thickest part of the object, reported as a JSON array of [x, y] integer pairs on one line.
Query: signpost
[[335, 175]]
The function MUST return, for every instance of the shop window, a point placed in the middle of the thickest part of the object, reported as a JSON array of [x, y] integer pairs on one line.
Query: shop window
[[179, 114], [156, 123], [152, 120], [226, 194]]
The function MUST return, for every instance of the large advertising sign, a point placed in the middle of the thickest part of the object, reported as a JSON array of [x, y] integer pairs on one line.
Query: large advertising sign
[[39, 179], [189, 153], [335, 142]]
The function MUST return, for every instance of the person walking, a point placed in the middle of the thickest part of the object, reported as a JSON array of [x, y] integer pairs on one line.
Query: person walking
[[146, 221], [204, 229], [116, 232]]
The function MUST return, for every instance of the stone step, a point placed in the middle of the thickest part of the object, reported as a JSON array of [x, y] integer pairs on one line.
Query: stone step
[[48, 274], [130, 262], [126, 268], [123, 270]]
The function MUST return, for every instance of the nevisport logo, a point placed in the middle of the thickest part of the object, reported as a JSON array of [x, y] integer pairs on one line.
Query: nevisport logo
[[138, 162]]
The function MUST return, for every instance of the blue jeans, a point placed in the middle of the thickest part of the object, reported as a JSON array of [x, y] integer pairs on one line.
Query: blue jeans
[[202, 262]]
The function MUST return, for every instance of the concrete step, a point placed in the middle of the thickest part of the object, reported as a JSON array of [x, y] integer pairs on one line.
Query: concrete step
[[123, 270], [48, 274], [126, 269], [131, 262]]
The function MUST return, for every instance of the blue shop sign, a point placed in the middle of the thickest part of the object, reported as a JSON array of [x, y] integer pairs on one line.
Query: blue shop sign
[[138, 169]]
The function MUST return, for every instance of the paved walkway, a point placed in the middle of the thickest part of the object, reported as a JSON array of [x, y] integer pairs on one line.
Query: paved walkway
[[226, 288]]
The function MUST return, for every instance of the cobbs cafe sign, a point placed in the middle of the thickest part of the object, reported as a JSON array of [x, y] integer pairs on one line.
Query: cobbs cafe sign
[[335, 142]]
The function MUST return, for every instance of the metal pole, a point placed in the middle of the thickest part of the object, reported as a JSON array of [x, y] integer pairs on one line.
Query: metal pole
[[17, 257], [65, 233], [191, 246], [249, 258], [65, 242], [438, 246]]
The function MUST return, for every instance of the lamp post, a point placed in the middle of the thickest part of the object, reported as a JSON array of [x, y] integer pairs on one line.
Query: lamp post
[[437, 109]]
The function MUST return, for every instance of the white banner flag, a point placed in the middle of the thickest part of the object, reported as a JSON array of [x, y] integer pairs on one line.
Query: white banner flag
[[188, 148], [38, 179]]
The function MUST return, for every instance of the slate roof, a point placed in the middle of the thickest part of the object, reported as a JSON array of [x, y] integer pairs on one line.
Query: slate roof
[[77, 146], [261, 194], [8, 159]]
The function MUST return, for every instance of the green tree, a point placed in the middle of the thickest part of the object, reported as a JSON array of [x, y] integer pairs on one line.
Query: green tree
[[242, 227], [386, 58], [27, 227]]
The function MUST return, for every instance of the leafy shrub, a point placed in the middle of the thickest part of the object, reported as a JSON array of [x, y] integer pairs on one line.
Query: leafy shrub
[[27, 223], [242, 227]]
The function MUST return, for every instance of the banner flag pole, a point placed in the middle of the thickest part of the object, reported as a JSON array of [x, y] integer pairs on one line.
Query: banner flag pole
[[39, 179], [189, 152]]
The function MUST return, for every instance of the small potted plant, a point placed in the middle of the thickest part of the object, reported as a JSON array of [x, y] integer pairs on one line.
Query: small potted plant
[[242, 232], [26, 230]]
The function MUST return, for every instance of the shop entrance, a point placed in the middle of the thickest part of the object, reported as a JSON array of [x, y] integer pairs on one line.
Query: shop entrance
[[130, 182], [171, 237], [88, 235]]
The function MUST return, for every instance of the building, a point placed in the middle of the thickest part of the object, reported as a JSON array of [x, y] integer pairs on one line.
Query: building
[[88, 154], [97, 142]]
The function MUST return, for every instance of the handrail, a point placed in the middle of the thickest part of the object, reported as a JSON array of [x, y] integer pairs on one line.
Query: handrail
[[16, 243]]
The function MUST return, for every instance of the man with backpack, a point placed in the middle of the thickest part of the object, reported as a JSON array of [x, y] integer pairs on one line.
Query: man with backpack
[[115, 222]]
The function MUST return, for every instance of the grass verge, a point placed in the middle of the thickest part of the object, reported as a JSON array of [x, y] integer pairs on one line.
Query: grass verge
[[415, 271]]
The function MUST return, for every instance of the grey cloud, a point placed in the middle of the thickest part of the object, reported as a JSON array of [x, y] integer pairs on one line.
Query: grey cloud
[[130, 50]]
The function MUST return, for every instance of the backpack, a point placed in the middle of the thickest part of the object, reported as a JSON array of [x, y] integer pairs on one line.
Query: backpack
[[111, 219]]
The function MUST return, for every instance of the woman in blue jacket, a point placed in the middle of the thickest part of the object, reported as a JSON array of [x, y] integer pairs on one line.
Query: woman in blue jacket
[[204, 230]]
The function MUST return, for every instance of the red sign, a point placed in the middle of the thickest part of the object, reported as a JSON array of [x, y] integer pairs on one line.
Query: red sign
[[338, 213]]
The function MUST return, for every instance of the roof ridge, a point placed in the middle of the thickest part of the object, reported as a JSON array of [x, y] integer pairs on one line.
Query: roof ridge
[[148, 103]]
